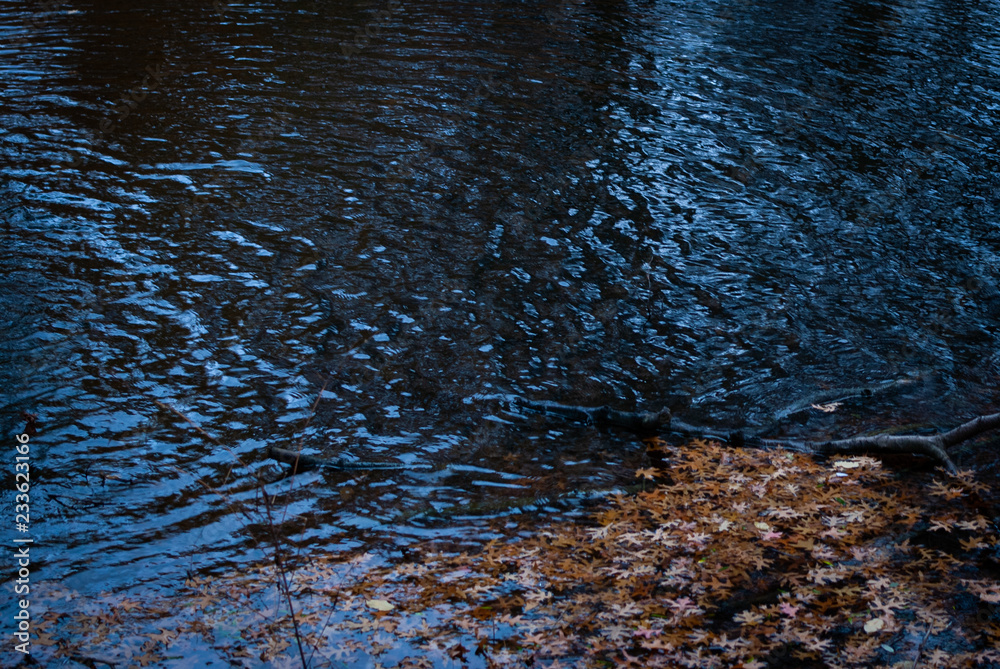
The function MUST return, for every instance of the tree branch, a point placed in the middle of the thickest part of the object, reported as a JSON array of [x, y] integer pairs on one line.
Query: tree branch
[[642, 423], [647, 423], [932, 447], [973, 428]]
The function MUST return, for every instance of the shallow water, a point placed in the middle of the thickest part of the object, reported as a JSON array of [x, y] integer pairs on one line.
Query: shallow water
[[407, 210]]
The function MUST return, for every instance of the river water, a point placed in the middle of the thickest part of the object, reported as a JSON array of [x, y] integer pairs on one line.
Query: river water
[[352, 226]]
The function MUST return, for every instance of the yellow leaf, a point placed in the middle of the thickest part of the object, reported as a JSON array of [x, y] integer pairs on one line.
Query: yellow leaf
[[846, 464], [764, 527], [379, 604], [874, 625]]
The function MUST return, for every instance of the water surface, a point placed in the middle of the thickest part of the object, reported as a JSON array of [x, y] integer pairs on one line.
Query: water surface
[[352, 226]]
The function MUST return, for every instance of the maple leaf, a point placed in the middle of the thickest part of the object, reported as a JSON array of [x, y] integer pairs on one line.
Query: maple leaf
[[682, 606], [44, 639], [972, 543], [649, 473], [275, 646], [818, 645], [785, 513], [807, 544], [698, 538], [748, 618], [824, 576], [941, 490], [728, 644], [943, 524], [698, 636], [853, 516], [986, 591], [768, 536], [534, 599], [127, 605], [937, 657], [977, 523], [164, 637], [147, 659], [788, 609]]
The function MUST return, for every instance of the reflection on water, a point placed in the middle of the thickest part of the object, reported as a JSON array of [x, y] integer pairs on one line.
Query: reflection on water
[[405, 209]]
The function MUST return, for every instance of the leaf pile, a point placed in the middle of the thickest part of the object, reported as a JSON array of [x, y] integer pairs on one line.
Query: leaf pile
[[730, 558], [744, 558]]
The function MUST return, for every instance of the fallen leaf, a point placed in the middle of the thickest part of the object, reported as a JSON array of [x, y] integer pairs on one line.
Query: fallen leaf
[[874, 625], [164, 637], [826, 408], [379, 605]]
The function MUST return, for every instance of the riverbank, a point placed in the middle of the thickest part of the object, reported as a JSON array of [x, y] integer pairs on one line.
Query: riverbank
[[729, 557]]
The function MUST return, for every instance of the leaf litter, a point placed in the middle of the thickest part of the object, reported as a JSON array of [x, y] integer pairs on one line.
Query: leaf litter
[[730, 558]]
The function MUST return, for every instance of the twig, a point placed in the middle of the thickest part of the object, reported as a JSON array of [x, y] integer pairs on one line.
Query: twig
[[301, 462], [283, 575], [193, 424], [920, 648]]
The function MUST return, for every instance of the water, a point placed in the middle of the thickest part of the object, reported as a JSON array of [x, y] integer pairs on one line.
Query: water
[[407, 209]]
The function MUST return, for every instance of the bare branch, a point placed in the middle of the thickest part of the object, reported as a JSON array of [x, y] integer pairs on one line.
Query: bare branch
[[973, 428], [932, 447], [645, 422], [301, 462]]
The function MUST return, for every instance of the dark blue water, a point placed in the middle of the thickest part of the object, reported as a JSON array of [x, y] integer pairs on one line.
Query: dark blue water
[[403, 210]]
